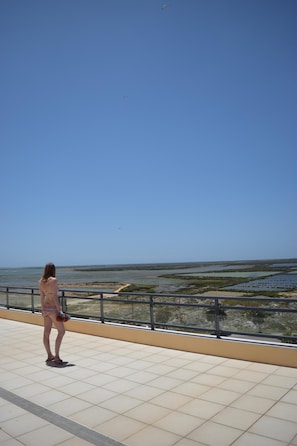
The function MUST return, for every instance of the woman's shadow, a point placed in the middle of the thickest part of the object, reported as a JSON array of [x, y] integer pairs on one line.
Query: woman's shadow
[[60, 366]]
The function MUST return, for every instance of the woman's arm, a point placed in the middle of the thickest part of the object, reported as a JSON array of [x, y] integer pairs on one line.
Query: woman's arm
[[56, 294], [58, 306], [42, 295]]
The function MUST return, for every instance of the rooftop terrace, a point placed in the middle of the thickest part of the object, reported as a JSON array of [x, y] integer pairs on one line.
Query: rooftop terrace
[[113, 393]]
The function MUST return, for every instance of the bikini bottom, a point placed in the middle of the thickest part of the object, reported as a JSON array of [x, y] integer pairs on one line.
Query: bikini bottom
[[47, 311]]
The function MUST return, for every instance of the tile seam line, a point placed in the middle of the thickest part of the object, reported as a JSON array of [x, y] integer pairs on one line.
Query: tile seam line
[[64, 423]]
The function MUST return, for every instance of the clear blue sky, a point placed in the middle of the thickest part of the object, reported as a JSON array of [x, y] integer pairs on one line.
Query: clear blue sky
[[132, 132]]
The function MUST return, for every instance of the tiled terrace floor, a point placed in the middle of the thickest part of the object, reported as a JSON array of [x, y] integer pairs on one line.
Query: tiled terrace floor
[[113, 393]]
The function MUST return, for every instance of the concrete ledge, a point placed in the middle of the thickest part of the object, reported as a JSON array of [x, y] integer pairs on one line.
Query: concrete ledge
[[281, 355]]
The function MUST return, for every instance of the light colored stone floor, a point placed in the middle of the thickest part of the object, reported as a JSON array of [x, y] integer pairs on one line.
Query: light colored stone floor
[[113, 392]]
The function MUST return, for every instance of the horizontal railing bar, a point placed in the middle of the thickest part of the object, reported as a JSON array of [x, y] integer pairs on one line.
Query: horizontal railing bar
[[20, 292], [185, 296], [260, 309]]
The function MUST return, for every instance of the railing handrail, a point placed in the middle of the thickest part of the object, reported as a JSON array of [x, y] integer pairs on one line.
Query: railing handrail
[[142, 294]]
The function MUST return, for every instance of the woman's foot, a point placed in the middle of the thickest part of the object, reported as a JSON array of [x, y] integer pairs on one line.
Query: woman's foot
[[50, 358], [58, 360]]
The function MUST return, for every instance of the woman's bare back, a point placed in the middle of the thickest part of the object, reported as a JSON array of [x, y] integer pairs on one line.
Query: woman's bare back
[[49, 293]]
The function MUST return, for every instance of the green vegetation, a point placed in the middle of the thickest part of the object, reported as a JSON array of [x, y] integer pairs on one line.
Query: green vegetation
[[162, 316], [195, 285], [265, 293]]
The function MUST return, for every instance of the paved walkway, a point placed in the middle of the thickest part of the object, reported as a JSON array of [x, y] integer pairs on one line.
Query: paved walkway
[[114, 393]]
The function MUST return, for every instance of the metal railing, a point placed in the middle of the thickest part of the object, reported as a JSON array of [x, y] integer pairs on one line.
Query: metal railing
[[244, 317]]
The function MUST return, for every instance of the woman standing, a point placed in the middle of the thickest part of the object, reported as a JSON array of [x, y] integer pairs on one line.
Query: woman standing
[[48, 287]]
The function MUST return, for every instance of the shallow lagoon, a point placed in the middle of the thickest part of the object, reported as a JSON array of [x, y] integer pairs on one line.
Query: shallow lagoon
[[153, 274], [121, 274], [142, 274]]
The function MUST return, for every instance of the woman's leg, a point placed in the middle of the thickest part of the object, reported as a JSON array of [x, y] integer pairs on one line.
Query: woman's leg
[[61, 331], [46, 336]]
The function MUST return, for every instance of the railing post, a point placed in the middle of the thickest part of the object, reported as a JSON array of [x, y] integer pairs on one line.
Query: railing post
[[152, 313], [63, 302], [101, 308], [7, 298], [217, 318], [32, 301]]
